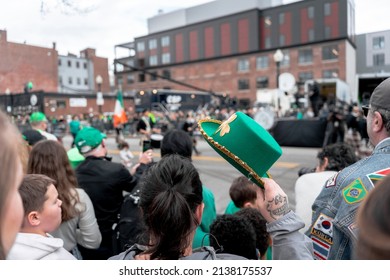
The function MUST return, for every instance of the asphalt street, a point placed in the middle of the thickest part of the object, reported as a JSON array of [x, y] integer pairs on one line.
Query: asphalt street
[[217, 174]]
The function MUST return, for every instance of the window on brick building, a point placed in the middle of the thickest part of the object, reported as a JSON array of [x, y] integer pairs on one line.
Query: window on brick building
[[243, 84], [141, 77], [153, 76], [378, 42], [330, 52], [153, 60], [166, 73], [152, 44], [310, 12], [327, 32], [243, 65], [130, 79], [310, 35], [286, 59], [262, 82], [165, 41], [281, 40], [262, 62], [378, 59], [141, 62], [61, 104], [69, 63], [327, 10], [305, 56], [140, 46], [281, 18], [119, 80], [166, 58], [304, 76], [328, 74], [268, 42]]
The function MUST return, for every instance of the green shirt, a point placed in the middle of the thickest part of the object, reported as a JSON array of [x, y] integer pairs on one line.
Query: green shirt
[[231, 208], [209, 215]]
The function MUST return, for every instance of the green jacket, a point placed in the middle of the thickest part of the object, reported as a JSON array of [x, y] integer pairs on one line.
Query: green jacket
[[231, 208], [209, 215]]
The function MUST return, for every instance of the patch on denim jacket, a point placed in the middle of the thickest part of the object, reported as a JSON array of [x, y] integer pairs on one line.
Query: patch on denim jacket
[[331, 182], [354, 192], [322, 236], [378, 176], [321, 249]]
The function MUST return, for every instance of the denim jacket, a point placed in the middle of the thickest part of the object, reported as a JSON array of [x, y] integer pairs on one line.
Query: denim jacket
[[333, 229]]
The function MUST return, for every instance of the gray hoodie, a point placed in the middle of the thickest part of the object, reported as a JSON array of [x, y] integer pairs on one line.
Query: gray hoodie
[[204, 253], [30, 246]]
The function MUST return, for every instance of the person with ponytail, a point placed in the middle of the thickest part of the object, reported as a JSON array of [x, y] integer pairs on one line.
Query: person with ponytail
[[172, 205]]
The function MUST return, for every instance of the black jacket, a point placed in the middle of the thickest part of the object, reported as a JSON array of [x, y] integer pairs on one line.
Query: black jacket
[[104, 181]]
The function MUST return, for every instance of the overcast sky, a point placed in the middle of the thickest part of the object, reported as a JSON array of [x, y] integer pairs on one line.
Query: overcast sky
[[112, 22]]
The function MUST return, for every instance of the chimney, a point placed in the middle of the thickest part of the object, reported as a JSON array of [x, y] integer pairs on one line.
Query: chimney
[[54, 45], [88, 53], [3, 36]]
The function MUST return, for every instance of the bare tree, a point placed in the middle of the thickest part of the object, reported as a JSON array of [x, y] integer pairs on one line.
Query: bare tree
[[68, 7]]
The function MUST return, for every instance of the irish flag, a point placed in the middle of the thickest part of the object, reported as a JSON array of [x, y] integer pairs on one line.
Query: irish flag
[[119, 112]]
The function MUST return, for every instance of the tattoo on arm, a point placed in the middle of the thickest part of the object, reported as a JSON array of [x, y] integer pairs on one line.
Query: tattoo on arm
[[278, 206]]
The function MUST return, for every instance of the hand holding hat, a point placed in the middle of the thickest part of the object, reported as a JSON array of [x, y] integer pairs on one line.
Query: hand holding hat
[[274, 201]]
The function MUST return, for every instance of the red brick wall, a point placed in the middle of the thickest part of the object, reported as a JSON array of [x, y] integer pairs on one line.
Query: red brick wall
[[100, 67], [221, 75], [225, 39], [243, 35], [209, 42], [306, 24], [21, 63], [333, 19], [179, 47], [285, 28], [109, 105], [194, 49]]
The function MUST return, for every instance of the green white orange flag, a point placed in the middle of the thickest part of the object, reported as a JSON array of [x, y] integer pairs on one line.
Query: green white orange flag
[[119, 112]]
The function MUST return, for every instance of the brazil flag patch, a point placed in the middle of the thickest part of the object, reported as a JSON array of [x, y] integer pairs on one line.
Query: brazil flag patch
[[354, 192]]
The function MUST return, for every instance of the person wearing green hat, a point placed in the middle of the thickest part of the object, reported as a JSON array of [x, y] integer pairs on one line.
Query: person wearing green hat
[[38, 121], [104, 182]]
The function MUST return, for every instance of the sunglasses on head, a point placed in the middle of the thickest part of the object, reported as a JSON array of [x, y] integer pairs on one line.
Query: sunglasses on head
[[365, 110]]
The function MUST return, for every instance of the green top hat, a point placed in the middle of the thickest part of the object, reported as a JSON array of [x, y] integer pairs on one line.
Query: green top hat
[[88, 139], [38, 117], [243, 143]]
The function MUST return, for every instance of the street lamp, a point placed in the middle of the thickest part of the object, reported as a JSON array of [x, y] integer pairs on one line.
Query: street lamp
[[278, 57], [9, 106], [99, 94]]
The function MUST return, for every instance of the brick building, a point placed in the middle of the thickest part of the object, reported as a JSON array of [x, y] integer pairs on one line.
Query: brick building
[[22, 63], [228, 46], [50, 74], [373, 62]]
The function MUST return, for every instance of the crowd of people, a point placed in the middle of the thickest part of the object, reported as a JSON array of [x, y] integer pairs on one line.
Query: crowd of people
[[51, 209]]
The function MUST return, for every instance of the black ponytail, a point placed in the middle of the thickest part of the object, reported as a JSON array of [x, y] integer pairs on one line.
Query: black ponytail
[[171, 190]]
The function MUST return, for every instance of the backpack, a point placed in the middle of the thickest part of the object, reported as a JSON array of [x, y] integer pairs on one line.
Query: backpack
[[129, 227]]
